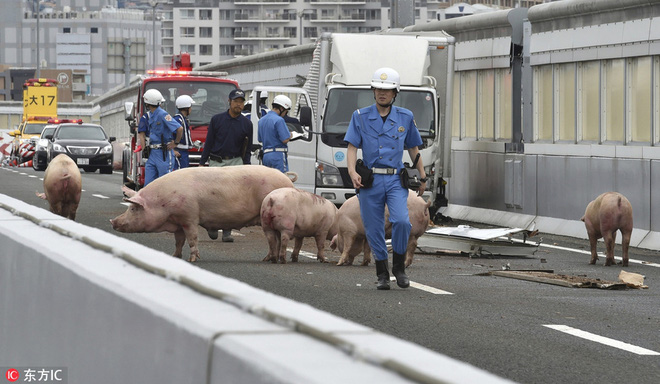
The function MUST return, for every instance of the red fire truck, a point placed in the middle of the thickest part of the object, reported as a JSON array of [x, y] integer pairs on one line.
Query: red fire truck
[[209, 90]]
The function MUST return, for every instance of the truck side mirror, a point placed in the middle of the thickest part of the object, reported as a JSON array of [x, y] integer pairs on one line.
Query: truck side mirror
[[129, 108], [305, 115]]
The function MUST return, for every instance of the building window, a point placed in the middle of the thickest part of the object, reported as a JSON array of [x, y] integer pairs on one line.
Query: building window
[[187, 14], [205, 50], [187, 31], [190, 48], [205, 14], [205, 32], [94, 30], [66, 30]]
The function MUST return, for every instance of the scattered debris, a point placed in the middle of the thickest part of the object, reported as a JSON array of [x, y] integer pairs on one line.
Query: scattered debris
[[561, 280], [478, 242], [632, 280]]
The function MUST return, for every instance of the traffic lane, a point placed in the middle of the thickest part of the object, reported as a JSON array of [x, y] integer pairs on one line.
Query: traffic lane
[[491, 322]]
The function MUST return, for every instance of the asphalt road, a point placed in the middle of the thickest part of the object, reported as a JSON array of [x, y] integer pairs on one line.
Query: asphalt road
[[524, 331]]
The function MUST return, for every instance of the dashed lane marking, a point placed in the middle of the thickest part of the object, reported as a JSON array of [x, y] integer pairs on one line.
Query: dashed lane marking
[[602, 340], [413, 284], [100, 196]]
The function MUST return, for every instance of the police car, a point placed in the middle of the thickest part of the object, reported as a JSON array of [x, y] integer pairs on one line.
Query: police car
[[87, 144]]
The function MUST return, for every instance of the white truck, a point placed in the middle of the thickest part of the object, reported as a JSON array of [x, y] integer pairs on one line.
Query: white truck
[[338, 83]]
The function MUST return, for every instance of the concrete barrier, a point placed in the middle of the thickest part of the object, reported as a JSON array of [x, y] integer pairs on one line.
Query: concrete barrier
[[98, 308]]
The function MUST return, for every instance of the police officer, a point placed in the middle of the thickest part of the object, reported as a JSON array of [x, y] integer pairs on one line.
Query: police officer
[[383, 131], [263, 97], [275, 135], [228, 142], [183, 104], [164, 134]]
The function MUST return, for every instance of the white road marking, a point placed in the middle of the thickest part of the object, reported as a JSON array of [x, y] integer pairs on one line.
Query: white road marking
[[600, 254], [33, 176], [100, 196], [602, 340], [125, 203], [413, 284]]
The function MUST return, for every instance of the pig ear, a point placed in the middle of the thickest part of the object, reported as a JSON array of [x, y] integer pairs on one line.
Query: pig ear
[[137, 200], [127, 191]]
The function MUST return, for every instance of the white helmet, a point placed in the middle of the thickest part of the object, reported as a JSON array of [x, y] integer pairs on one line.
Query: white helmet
[[282, 101], [184, 101], [153, 97], [385, 78], [263, 94]]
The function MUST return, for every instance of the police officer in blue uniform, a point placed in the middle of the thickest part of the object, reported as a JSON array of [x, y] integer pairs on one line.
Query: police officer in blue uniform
[[275, 135], [183, 104], [164, 133], [383, 131], [228, 142]]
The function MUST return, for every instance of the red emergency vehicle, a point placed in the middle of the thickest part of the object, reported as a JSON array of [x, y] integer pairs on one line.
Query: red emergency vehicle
[[209, 90]]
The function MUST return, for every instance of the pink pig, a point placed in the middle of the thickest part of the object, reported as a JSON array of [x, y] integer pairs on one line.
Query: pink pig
[[610, 212], [62, 186], [289, 212], [351, 238], [214, 198]]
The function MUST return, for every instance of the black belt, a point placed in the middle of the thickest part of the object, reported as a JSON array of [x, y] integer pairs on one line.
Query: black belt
[[219, 158]]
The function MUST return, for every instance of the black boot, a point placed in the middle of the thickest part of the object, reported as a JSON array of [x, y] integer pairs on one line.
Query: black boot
[[383, 275], [399, 270]]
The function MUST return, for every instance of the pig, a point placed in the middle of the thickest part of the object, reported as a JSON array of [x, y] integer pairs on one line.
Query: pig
[[608, 213], [289, 212], [212, 197], [62, 186], [351, 238]]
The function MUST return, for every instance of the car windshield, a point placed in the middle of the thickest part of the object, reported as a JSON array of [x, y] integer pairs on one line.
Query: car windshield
[[33, 128], [342, 102], [210, 98], [48, 131], [81, 132]]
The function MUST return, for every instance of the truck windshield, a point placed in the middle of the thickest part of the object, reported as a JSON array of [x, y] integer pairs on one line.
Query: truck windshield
[[33, 128], [210, 98], [342, 102]]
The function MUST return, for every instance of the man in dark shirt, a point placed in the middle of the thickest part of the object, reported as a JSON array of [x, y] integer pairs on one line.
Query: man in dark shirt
[[228, 142]]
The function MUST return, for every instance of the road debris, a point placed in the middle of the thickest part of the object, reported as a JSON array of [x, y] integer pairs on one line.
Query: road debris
[[477, 242], [561, 280]]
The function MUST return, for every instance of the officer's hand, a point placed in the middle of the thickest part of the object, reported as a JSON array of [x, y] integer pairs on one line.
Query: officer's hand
[[138, 149], [171, 145], [422, 188], [356, 179], [177, 154]]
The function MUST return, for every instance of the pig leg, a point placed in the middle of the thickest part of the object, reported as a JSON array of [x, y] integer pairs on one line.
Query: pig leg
[[366, 259], [410, 251], [320, 246], [284, 241], [190, 232], [593, 242], [625, 242], [345, 255], [296, 249], [180, 239], [609, 238], [272, 237]]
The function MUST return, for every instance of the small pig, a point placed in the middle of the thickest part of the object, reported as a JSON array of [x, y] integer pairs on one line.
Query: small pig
[[289, 212], [62, 186], [351, 238], [610, 212], [214, 198]]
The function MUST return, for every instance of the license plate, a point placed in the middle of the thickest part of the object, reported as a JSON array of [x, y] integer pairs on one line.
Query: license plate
[[82, 161]]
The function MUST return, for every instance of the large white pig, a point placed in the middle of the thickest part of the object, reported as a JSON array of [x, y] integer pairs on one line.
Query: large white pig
[[62, 186], [608, 213], [291, 213], [351, 238], [212, 197]]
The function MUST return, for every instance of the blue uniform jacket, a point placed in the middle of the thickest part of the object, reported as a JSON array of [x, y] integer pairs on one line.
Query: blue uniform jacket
[[383, 143], [226, 137], [161, 124], [186, 140], [272, 131]]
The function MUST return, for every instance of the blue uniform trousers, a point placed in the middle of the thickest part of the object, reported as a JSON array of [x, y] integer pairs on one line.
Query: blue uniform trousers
[[156, 166], [183, 161], [386, 189], [277, 160]]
